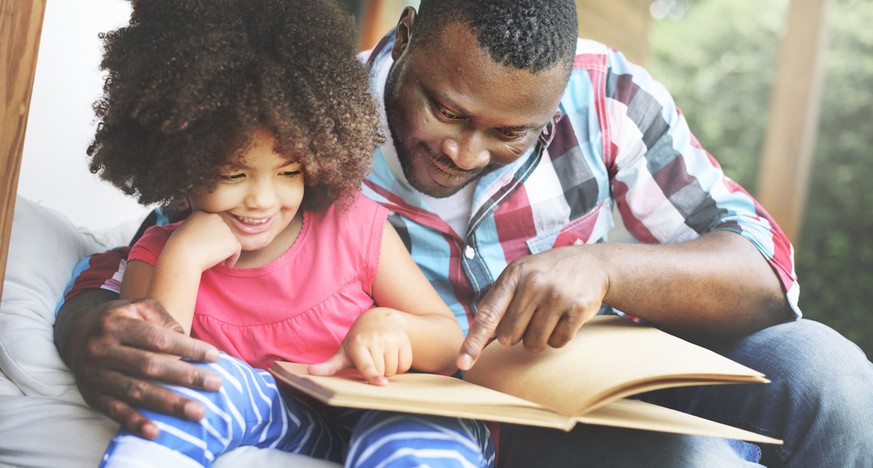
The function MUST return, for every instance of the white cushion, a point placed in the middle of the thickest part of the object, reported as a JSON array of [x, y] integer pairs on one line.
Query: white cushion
[[44, 249], [43, 418]]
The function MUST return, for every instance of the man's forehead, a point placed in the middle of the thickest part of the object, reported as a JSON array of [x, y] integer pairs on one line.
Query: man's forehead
[[456, 71]]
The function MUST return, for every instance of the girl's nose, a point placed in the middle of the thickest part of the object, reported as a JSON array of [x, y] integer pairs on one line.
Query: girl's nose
[[262, 194]]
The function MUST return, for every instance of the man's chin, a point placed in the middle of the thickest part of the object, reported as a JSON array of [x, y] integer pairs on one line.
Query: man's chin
[[421, 179], [435, 190], [441, 193]]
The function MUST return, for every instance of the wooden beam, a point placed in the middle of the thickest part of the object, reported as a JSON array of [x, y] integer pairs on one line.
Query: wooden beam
[[793, 122], [20, 29], [378, 17], [372, 15], [623, 24]]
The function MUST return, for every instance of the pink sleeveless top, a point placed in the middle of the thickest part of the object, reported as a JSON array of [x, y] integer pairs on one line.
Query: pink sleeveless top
[[299, 307]]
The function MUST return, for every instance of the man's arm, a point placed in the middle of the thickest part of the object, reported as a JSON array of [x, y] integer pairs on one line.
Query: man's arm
[[735, 277], [115, 348], [715, 287]]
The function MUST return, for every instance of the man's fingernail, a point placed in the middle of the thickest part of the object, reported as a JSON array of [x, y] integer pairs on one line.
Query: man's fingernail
[[212, 355], [193, 411], [150, 431], [465, 361], [212, 382]]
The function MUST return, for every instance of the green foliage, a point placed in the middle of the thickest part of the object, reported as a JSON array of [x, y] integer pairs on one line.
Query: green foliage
[[719, 61], [835, 252]]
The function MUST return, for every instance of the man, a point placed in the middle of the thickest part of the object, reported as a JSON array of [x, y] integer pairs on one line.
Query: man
[[508, 144]]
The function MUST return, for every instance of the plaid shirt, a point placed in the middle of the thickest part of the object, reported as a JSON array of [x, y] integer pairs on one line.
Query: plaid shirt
[[619, 140]]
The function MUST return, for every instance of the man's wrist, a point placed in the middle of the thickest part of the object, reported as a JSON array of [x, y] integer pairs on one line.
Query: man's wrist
[[72, 316]]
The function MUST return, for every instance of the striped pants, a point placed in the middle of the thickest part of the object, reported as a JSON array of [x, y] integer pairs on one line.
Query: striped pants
[[250, 409]]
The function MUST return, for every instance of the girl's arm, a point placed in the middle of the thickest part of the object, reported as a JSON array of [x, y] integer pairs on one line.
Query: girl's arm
[[412, 327], [201, 242], [176, 295], [424, 316]]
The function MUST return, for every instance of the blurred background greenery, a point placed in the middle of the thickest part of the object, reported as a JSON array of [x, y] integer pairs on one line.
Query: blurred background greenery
[[718, 58]]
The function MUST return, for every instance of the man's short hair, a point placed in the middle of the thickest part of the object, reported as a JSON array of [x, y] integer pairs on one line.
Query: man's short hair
[[530, 35]]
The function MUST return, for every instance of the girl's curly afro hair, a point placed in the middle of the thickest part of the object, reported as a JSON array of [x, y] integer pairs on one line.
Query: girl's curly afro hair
[[189, 81]]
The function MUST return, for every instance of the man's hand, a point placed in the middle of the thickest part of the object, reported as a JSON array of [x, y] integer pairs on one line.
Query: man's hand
[[541, 299], [115, 349]]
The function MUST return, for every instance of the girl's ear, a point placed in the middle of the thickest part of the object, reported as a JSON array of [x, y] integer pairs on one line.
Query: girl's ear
[[403, 32]]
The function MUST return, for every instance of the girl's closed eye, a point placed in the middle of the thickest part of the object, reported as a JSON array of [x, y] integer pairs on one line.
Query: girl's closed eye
[[234, 177], [291, 170]]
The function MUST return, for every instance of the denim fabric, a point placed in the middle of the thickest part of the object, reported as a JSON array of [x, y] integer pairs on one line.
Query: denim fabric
[[820, 402], [609, 447]]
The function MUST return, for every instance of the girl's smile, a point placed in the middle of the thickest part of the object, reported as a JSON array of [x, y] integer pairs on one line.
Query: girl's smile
[[259, 198]]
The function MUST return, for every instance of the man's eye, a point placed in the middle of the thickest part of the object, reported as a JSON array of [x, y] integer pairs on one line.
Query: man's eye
[[291, 173], [449, 114], [232, 177], [512, 134]]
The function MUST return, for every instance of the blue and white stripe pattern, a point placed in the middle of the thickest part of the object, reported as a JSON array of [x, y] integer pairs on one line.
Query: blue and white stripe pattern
[[251, 410], [382, 439]]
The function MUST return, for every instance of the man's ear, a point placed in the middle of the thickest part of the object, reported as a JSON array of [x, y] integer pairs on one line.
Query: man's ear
[[403, 32]]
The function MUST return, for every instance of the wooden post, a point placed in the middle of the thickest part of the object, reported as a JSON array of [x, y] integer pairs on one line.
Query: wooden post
[[20, 29], [793, 123], [372, 19], [623, 24]]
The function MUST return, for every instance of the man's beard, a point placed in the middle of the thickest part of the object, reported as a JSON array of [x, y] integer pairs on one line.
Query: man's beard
[[406, 156]]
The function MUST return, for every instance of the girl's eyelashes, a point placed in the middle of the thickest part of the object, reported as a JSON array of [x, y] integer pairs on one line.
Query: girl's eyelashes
[[240, 176], [233, 173], [232, 177]]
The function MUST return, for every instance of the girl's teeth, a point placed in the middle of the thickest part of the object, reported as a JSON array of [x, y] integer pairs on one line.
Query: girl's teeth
[[252, 220]]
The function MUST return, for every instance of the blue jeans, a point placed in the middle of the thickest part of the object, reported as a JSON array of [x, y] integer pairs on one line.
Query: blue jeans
[[820, 403]]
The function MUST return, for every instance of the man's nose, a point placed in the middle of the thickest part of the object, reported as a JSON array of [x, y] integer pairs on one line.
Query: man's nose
[[468, 150]]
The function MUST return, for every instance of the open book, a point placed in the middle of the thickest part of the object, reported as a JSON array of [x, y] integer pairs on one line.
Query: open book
[[584, 382]]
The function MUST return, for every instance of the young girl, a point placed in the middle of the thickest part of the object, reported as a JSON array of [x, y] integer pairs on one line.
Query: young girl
[[255, 113]]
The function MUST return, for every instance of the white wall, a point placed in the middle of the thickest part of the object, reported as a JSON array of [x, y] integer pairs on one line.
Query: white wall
[[54, 167]]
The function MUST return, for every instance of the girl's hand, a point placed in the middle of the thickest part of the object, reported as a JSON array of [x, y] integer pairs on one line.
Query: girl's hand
[[206, 240], [376, 345]]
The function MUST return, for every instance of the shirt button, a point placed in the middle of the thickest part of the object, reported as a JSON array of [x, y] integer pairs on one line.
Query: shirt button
[[469, 252]]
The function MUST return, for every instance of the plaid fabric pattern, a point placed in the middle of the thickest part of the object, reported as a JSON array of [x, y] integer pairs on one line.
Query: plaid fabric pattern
[[620, 139]]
